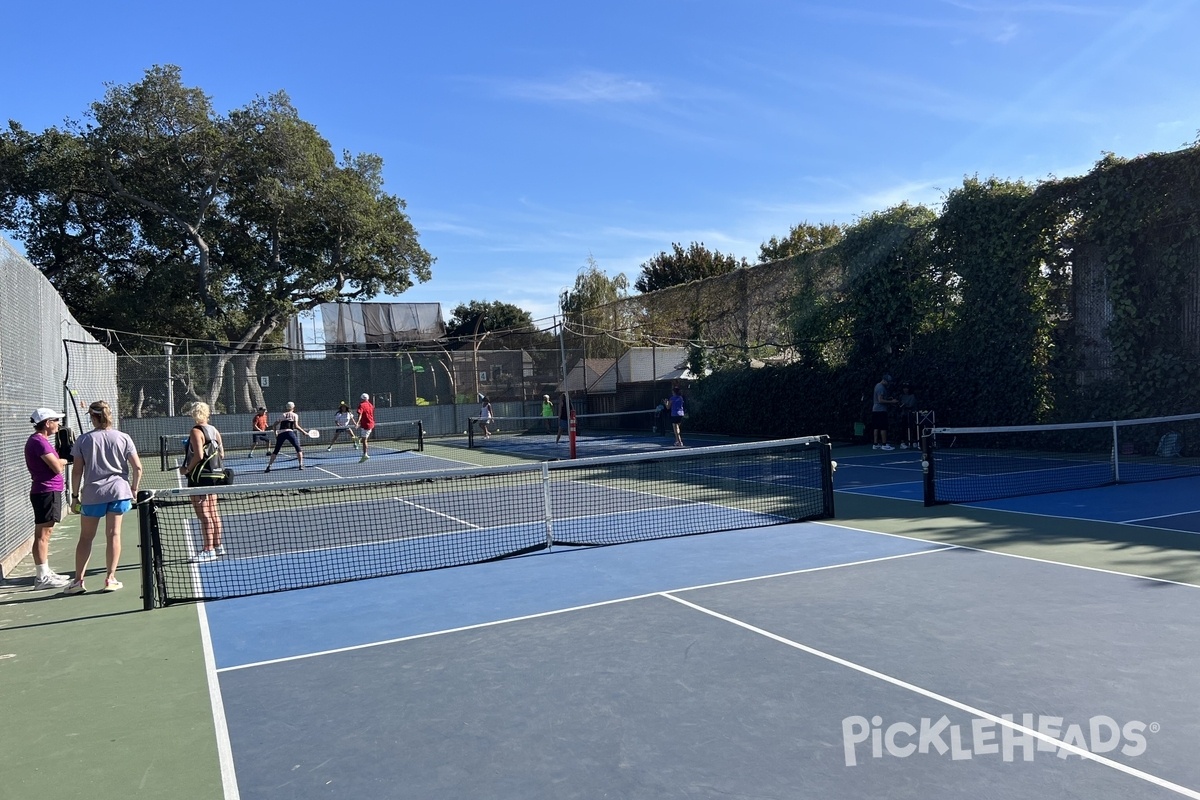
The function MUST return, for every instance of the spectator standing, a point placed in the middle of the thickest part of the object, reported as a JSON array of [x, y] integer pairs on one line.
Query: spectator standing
[[46, 493], [201, 474], [104, 481], [880, 401]]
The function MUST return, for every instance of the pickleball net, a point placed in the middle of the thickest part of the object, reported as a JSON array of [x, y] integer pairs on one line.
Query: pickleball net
[[964, 465], [617, 424], [402, 436], [289, 536]]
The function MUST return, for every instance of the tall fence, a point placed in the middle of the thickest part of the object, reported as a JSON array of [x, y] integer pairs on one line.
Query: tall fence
[[164, 385], [43, 351]]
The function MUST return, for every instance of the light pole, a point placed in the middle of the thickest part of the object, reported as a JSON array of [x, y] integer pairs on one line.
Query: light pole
[[168, 349]]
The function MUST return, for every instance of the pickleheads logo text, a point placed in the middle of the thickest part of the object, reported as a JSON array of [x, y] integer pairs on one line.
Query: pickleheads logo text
[[982, 737]]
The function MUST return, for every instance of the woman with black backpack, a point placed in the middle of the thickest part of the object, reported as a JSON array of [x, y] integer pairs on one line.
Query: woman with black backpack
[[204, 465]]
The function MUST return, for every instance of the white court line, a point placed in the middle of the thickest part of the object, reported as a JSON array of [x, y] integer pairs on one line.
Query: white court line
[[224, 747], [934, 548], [978, 504], [976, 712], [450, 517], [861, 489], [1160, 516], [952, 546]]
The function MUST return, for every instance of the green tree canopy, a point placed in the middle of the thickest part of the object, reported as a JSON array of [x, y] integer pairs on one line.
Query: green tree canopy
[[802, 238], [158, 215], [508, 327], [681, 266]]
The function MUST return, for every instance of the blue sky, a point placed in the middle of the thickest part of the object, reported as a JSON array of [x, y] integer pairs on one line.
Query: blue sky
[[527, 136]]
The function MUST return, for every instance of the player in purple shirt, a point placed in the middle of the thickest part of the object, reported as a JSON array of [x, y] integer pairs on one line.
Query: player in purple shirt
[[46, 493]]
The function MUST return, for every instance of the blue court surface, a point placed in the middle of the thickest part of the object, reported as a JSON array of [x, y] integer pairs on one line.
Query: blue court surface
[[1172, 504], [804, 660]]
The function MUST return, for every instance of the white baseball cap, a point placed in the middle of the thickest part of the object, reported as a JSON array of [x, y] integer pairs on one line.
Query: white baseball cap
[[40, 415], [365, 396], [291, 404]]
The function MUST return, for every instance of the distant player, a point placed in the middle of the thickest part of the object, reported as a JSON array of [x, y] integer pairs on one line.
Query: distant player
[[677, 415], [342, 424], [365, 422], [287, 429], [260, 431], [485, 416]]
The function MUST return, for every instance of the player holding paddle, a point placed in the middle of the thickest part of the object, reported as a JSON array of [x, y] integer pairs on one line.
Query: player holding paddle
[[341, 424], [287, 428]]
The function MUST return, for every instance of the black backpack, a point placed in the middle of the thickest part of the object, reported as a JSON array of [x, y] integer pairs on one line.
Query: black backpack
[[64, 444], [210, 471]]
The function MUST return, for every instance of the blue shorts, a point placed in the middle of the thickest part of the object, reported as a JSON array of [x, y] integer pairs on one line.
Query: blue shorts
[[102, 509]]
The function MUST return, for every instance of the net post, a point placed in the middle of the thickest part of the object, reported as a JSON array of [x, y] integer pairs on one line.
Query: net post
[[827, 477], [927, 467], [420, 437], [572, 425], [163, 453], [470, 432], [548, 511], [1116, 455], [146, 543]]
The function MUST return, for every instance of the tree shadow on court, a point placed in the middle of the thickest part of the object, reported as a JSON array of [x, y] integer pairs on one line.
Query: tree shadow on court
[[1131, 549]]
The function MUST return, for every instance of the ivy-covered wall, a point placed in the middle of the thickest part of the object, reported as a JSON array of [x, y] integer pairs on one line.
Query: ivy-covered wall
[[1069, 300]]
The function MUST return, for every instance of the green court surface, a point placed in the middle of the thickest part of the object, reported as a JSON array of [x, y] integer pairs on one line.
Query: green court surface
[[104, 700]]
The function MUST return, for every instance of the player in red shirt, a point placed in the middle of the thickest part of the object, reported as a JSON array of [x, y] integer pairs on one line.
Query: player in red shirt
[[365, 423]]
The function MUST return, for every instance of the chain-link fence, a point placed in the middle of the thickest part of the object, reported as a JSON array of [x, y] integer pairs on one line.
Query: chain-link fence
[[163, 385], [46, 360]]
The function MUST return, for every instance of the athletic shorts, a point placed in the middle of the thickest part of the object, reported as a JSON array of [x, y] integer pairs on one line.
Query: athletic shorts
[[879, 420], [103, 509], [676, 420], [47, 507], [365, 433]]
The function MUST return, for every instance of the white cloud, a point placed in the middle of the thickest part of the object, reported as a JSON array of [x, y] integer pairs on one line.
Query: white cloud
[[589, 86]]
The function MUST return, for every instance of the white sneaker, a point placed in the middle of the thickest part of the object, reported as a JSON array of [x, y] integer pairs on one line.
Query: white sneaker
[[221, 550], [887, 447], [51, 581], [903, 446], [205, 555], [874, 447]]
